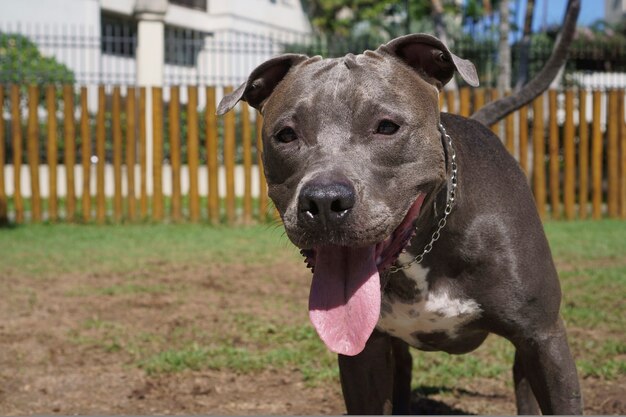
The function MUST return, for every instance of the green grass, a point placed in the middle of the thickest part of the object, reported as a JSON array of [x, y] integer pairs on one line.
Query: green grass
[[589, 240], [122, 289], [591, 257], [45, 250], [167, 207], [593, 278], [250, 345], [260, 346]]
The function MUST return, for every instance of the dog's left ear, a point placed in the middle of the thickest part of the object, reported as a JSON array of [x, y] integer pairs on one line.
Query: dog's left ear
[[431, 58], [261, 82]]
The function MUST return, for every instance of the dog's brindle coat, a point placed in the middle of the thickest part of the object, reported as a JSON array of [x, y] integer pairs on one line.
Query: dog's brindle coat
[[349, 146]]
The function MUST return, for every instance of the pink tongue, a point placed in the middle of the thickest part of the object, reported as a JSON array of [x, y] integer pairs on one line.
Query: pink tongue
[[344, 303]]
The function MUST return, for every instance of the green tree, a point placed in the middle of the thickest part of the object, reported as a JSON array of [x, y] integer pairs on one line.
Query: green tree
[[523, 75], [22, 63], [382, 20], [340, 17]]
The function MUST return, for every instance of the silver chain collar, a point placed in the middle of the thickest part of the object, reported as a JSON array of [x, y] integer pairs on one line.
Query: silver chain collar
[[449, 203]]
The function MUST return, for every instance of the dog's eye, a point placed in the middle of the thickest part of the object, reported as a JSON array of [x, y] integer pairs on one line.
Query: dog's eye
[[286, 135], [387, 127]]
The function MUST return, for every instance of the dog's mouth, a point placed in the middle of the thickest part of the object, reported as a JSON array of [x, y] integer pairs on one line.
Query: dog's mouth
[[345, 297]]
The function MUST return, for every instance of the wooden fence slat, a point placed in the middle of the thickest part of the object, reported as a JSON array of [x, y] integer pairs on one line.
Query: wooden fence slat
[[523, 138], [212, 161], [52, 152], [116, 125], [131, 143], [613, 155], [33, 152], [583, 156], [464, 93], [539, 179], [69, 131], [175, 148], [193, 153], [509, 128], [229, 161], [4, 209], [569, 158], [143, 169], [622, 141], [495, 128], [554, 155], [157, 153], [450, 101], [247, 163], [85, 135], [100, 153], [572, 176], [16, 130], [479, 98], [596, 157], [262, 181]]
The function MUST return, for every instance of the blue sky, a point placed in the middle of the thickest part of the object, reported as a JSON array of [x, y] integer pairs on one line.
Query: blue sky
[[590, 11]]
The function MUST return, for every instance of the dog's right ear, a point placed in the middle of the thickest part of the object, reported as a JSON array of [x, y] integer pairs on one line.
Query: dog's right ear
[[430, 58], [261, 82]]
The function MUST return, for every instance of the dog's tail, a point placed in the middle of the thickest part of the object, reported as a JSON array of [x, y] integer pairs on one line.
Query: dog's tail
[[497, 110]]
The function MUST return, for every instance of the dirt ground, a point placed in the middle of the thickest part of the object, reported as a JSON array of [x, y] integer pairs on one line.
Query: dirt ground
[[44, 370]]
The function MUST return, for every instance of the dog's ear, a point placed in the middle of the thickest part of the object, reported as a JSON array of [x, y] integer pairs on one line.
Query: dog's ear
[[261, 82], [431, 58]]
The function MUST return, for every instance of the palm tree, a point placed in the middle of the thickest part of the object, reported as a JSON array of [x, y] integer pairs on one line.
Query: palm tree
[[504, 50], [522, 77]]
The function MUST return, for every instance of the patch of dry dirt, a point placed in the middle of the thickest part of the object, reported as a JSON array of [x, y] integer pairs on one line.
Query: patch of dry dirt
[[46, 368]]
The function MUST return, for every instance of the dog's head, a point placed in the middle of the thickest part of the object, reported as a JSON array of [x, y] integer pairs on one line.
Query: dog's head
[[351, 149]]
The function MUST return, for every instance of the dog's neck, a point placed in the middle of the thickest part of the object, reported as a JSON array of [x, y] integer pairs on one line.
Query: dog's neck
[[437, 212]]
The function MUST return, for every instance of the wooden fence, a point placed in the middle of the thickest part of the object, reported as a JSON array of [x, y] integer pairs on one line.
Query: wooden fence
[[574, 156]]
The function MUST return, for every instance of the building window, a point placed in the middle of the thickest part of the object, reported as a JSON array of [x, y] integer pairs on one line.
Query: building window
[[192, 4], [118, 35], [182, 46], [119, 38]]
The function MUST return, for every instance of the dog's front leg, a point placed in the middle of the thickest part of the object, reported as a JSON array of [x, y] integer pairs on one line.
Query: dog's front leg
[[367, 379], [545, 361]]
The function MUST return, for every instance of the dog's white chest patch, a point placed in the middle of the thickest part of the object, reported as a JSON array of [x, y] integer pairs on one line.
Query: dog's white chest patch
[[429, 316]]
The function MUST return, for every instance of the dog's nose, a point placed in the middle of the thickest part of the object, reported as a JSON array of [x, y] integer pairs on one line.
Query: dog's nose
[[326, 201]]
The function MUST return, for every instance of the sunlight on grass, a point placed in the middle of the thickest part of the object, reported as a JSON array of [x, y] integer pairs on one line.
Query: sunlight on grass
[[574, 240], [123, 289], [45, 250]]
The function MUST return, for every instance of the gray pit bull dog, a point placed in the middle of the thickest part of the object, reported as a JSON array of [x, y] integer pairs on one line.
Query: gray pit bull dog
[[419, 226]]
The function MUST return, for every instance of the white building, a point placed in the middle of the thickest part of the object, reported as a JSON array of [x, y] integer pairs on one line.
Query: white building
[[213, 42], [614, 10], [153, 43]]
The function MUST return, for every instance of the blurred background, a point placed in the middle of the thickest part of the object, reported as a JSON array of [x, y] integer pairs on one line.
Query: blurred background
[[215, 42]]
